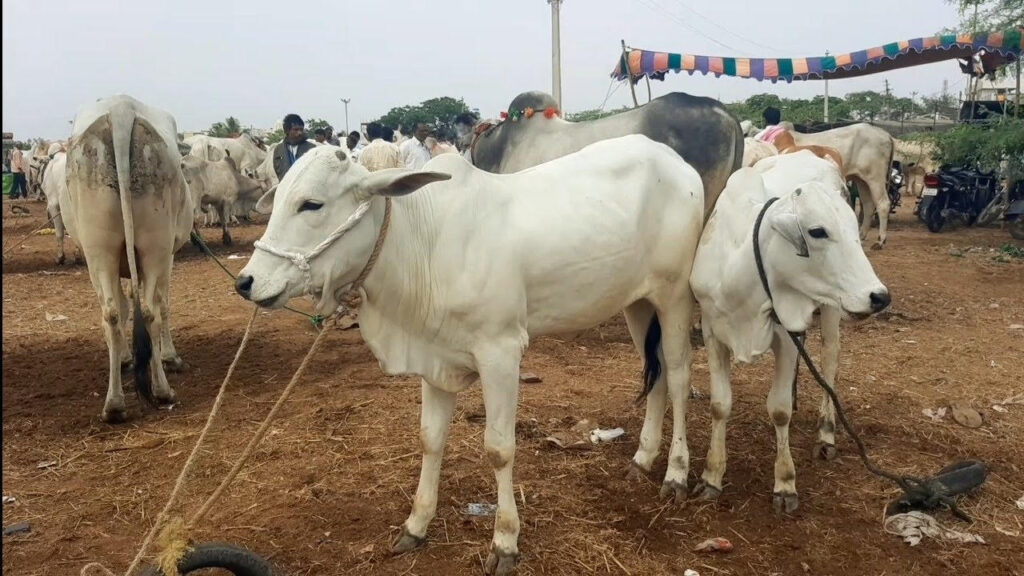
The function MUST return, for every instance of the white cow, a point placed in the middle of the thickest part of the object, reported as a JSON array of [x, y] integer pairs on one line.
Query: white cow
[[812, 258], [220, 184], [754, 151], [474, 267], [55, 186], [128, 210], [245, 150], [867, 153]]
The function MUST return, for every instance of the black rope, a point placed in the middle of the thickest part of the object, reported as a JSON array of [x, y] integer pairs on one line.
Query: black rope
[[927, 488], [317, 320]]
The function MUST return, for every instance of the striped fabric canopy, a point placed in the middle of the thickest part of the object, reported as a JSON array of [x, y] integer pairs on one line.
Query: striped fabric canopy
[[1005, 46]]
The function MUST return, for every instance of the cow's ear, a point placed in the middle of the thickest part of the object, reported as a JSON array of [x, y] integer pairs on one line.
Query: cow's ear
[[266, 202], [787, 225], [398, 181]]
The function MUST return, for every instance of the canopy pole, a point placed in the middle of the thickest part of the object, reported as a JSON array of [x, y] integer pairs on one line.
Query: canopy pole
[[629, 75], [1016, 104]]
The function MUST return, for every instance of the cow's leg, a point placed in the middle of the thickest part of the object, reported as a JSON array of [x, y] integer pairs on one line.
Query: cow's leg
[[122, 306], [435, 416], [710, 486], [499, 375], [58, 234], [676, 321], [881, 200], [780, 409], [638, 319], [169, 356], [154, 285], [867, 207], [830, 318], [103, 271], [225, 217]]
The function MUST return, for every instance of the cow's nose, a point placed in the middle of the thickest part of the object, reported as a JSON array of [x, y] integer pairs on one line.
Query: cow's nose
[[243, 284], [880, 300]]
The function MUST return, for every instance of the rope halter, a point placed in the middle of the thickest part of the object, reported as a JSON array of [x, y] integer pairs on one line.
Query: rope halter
[[302, 261]]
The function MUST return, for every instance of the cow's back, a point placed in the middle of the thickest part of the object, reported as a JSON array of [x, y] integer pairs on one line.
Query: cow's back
[[865, 149]]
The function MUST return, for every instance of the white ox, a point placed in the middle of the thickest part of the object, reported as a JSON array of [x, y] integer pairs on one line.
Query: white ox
[[218, 183], [128, 210], [867, 153], [245, 150], [474, 267], [812, 258], [55, 186]]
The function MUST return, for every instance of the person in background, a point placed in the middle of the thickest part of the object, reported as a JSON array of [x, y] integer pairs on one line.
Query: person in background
[[320, 136], [414, 151], [380, 153], [772, 117], [18, 169], [330, 137], [388, 134], [293, 146], [352, 143]]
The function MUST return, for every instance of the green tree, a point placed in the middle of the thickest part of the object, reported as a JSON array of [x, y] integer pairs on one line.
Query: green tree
[[592, 114], [992, 15], [865, 105], [274, 137], [985, 145], [229, 128], [439, 113]]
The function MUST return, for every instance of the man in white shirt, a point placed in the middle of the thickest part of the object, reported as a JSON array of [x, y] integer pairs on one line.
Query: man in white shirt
[[379, 154], [414, 151]]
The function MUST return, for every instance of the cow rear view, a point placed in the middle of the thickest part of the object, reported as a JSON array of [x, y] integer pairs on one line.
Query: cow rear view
[[127, 208]]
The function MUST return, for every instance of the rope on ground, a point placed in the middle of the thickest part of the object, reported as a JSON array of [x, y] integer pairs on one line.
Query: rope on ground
[[26, 237], [188, 463], [175, 536]]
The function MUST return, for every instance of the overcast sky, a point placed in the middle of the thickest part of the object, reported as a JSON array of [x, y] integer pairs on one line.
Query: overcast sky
[[258, 60]]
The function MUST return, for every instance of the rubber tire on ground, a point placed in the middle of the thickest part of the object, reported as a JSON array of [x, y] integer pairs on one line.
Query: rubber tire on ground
[[238, 561], [933, 218], [1017, 228]]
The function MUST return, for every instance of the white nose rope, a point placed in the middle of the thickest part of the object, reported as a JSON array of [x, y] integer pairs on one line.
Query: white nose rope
[[301, 261]]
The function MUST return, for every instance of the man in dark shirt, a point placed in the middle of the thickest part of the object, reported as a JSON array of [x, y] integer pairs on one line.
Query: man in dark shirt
[[292, 147]]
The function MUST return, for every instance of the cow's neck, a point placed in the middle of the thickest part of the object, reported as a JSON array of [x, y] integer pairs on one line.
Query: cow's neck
[[400, 318]]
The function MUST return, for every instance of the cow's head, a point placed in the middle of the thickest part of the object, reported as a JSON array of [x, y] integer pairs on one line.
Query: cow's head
[[317, 240], [811, 247]]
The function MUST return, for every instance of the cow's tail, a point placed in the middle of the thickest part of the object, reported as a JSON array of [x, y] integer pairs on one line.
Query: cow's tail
[[122, 124], [652, 364]]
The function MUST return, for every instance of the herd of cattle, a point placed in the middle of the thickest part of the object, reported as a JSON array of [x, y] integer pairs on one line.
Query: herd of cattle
[[543, 226]]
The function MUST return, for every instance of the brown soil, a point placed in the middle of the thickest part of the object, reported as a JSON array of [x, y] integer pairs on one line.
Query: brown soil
[[328, 489]]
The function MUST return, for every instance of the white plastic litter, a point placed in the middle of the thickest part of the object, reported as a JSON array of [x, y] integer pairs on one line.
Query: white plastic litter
[[597, 435], [1020, 503], [915, 526], [478, 509], [9, 500], [691, 573], [237, 257], [55, 317], [935, 415]]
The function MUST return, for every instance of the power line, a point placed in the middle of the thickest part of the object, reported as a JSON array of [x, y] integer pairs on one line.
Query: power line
[[727, 31], [657, 7]]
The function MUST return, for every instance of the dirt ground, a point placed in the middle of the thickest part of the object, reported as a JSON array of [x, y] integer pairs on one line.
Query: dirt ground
[[328, 489]]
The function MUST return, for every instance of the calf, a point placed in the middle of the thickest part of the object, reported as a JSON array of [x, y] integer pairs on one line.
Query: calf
[[127, 208], [476, 264], [812, 258]]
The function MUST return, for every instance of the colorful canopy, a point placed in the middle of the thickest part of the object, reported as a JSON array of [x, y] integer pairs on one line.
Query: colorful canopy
[[1003, 46]]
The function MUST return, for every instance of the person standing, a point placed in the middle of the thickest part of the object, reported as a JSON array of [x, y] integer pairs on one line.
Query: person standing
[[380, 153], [18, 169], [292, 147], [414, 150], [772, 117]]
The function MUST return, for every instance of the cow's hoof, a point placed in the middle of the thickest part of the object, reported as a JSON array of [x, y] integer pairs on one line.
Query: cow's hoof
[[114, 413], [635, 473], [500, 563], [785, 503], [406, 542], [825, 451], [705, 491], [175, 365], [227, 239], [675, 489], [166, 399], [877, 246]]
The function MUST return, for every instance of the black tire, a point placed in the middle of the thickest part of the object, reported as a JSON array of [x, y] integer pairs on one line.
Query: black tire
[[933, 217], [238, 561]]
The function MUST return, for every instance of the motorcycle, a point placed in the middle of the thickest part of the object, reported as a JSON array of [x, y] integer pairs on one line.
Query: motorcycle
[[894, 185], [955, 194]]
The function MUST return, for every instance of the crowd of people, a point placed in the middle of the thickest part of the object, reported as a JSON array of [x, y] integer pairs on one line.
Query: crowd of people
[[376, 150]]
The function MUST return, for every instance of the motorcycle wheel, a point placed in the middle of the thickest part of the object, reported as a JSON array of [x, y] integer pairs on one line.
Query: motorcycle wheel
[[933, 217], [1017, 228]]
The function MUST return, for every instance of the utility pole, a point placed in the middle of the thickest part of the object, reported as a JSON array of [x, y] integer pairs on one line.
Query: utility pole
[[885, 105], [346, 101], [826, 93], [556, 56]]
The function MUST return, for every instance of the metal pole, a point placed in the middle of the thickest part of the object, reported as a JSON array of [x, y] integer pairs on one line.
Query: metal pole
[[826, 93], [346, 101], [556, 56], [1016, 104], [629, 75]]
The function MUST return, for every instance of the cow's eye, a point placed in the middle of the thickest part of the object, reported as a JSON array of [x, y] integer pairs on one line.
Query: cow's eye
[[818, 233], [311, 205]]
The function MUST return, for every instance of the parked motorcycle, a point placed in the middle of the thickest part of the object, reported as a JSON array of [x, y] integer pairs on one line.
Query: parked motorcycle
[[896, 180], [955, 194]]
